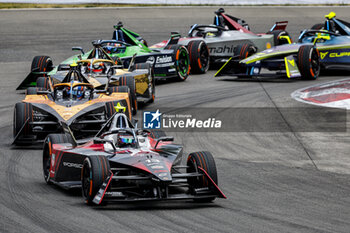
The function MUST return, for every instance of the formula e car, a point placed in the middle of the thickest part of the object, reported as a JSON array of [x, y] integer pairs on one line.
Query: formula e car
[[124, 164], [74, 102], [95, 66], [217, 42], [316, 48], [170, 61]]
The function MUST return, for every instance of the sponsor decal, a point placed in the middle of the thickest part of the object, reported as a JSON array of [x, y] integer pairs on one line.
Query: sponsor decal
[[114, 194], [342, 54], [155, 161], [323, 55], [164, 59], [291, 62], [74, 165], [268, 45], [162, 174], [164, 65], [222, 49], [157, 167], [150, 60]]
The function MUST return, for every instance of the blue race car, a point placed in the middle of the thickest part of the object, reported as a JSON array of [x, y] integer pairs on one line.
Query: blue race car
[[324, 46]]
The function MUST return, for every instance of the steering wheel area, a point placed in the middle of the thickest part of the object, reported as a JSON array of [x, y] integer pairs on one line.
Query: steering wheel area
[[96, 66], [72, 91], [114, 46], [311, 35], [206, 31]]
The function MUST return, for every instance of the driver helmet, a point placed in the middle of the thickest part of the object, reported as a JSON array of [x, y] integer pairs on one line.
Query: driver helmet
[[125, 141], [111, 47], [97, 67], [77, 92]]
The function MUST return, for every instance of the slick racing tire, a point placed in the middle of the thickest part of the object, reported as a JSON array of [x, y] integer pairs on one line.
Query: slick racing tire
[[182, 61], [199, 56], [155, 134], [22, 113], [276, 37], [47, 151], [243, 51], [95, 170], [205, 160], [308, 62], [43, 82], [317, 26], [130, 82], [109, 106], [34, 90], [41, 64]]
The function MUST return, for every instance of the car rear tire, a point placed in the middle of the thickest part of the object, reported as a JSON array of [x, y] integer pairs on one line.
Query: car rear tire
[[130, 82], [205, 160], [43, 82], [243, 51], [308, 62], [22, 112], [95, 171], [199, 56], [182, 61], [276, 37], [47, 152], [42, 64]]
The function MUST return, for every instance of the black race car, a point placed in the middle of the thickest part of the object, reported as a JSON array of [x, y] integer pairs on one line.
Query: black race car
[[123, 164]]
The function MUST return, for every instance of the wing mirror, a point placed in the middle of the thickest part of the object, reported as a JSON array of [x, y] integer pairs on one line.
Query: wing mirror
[[100, 91], [163, 139], [104, 141], [321, 38], [43, 92], [78, 49]]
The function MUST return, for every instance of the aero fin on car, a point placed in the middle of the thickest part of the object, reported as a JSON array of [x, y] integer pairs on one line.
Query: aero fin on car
[[101, 193], [20, 131], [29, 81], [282, 25], [231, 67], [68, 131], [220, 193], [291, 67]]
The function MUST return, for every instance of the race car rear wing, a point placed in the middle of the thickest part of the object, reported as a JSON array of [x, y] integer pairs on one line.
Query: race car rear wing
[[174, 38], [282, 25]]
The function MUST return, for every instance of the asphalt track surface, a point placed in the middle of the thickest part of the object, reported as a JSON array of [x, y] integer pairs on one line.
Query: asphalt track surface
[[271, 183]]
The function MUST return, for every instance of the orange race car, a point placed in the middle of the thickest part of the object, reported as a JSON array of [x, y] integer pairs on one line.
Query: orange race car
[[74, 102]]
